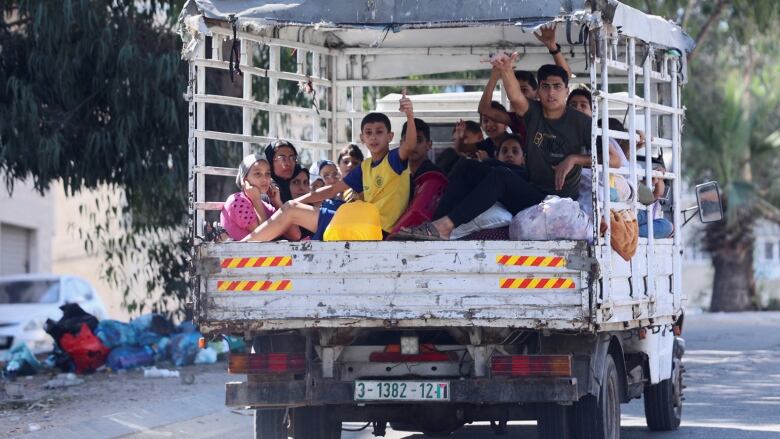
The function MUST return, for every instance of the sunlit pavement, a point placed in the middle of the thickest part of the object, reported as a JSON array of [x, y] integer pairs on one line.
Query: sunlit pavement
[[733, 379]]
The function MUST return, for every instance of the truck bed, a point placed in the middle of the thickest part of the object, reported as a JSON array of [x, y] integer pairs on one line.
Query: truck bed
[[282, 285]]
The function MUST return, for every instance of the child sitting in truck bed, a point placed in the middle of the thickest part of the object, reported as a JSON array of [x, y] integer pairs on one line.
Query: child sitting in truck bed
[[299, 185], [467, 144], [418, 156], [383, 180], [245, 210], [472, 182], [556, 138], [348, 159]]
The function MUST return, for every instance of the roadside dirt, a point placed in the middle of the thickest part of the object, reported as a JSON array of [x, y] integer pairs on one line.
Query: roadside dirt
[[36, 408]]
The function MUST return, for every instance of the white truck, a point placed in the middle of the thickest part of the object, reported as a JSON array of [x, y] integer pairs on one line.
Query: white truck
[[430, 336]]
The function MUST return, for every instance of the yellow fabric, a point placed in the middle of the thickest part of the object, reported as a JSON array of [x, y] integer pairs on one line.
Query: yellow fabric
[[385, 189], [349, 196], [358, 221]]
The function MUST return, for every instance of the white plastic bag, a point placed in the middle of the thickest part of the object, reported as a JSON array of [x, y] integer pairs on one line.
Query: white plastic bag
[[553, 218], [493, 218], [206, 356]]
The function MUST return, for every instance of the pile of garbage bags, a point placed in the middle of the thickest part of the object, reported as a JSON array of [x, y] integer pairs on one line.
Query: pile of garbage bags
[[83, 344]]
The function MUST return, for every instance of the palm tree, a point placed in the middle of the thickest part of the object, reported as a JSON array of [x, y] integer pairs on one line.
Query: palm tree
[[728, 142]]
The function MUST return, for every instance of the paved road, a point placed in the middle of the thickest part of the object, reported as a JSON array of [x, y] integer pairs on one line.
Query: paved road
[[733, 379]]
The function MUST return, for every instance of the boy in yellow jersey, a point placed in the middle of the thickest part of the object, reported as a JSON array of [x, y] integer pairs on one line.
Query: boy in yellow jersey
[[383, 180]]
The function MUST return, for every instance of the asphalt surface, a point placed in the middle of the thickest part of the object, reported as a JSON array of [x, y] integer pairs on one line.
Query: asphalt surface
[[733, 379]]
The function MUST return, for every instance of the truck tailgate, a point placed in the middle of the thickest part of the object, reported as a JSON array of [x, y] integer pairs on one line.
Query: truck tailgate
[[281, 285]]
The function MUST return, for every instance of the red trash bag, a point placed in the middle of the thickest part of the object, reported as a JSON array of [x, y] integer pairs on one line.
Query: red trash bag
[[428, 190], [86, 350]]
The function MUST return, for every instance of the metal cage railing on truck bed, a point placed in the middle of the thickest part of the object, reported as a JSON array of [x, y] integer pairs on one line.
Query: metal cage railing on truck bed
[[635, 74]]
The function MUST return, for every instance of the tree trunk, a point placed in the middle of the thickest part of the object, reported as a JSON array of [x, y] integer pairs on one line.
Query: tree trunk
[[733, 286], [730, 243]]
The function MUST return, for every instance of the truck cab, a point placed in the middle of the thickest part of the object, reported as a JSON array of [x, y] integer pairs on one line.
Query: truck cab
[[432, 336]]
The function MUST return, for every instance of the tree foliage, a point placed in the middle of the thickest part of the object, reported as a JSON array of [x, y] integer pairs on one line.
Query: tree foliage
[[92, 96], [732, 127]]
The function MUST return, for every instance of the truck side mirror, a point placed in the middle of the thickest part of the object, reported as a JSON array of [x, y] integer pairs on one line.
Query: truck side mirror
[[709, 202]]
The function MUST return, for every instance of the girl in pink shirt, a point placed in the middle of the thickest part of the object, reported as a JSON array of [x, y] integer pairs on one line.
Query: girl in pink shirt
[[245, 210]]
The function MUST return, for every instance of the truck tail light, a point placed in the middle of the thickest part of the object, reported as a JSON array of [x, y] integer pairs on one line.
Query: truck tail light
[[267, 363], [428, 353], [531, 365]]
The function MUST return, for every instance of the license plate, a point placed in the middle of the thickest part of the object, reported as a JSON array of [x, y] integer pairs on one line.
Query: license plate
[[402, 391]]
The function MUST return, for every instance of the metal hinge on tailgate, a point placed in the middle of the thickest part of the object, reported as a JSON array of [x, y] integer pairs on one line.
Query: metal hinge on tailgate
[[206, 266], [582, 263]]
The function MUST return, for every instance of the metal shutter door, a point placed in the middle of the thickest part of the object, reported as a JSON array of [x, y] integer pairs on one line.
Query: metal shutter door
[[14, 249]]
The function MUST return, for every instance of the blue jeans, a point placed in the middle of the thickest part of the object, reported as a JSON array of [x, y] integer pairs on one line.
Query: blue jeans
[[662, 227]]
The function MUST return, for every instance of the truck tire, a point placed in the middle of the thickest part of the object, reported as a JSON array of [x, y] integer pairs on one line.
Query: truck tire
[[553, 421], [663, 401], [599, 417], [314, 423], [270, 424]]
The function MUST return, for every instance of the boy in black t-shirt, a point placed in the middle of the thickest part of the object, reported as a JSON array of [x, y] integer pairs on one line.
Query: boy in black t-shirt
[[557, 136], [527, 83], [418, 157]]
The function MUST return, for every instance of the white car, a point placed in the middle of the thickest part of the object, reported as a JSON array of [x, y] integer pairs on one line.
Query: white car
[[27, 300]]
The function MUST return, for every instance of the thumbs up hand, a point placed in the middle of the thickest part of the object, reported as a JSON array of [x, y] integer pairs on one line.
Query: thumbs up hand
[[405, 105]]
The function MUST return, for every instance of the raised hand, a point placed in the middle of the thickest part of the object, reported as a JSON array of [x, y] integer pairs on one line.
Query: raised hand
[[546, 35], [405, 104], [503, 61], [460, 131]]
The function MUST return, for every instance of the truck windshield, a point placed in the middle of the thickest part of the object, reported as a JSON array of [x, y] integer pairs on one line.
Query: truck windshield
[[29, 291]]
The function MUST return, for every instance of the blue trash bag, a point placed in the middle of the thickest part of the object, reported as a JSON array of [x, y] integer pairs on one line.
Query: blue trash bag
[[161, 349], [129, 357], [147, 338], [155, 323], [184, 348], [114, 334], [61, 360], [187, 327], [21, 361]]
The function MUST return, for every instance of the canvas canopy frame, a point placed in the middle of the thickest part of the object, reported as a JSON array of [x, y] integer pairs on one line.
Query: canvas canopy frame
[[633, 63]]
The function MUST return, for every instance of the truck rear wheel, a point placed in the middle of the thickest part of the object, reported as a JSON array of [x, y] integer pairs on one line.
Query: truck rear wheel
[[553, 421], [314, 423], [663, 401], [270, 424], [599, 417]]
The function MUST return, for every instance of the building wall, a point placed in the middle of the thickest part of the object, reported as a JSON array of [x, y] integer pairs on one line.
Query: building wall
[[26, 208], [697, 276], [698, 271], [767, 264], [69, 253], [70, 256]]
